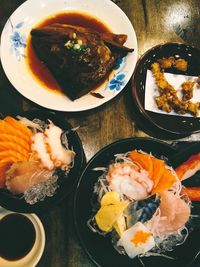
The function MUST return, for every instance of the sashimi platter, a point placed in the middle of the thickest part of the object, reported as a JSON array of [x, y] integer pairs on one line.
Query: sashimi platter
[[38, 152], [138, 202]]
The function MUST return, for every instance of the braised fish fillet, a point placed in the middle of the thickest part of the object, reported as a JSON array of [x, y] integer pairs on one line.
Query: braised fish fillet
[[78, 58]]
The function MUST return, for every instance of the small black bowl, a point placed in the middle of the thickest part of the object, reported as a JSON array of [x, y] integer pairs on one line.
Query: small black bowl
[[66, 182], [178, 125]]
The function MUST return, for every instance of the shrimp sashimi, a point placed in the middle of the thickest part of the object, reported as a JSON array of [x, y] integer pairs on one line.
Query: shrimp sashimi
[[61, 156], [23, 175], [173, 214], [127, 179], [189, 167]]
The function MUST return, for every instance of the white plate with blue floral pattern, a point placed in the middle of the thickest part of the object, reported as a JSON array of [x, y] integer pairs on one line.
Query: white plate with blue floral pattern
[[13, 51]]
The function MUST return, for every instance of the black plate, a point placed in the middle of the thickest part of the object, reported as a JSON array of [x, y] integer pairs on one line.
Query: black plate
[[172, 124], [14, 203], [99, 248]]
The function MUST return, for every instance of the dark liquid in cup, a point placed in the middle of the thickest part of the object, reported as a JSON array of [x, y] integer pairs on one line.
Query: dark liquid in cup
[[17, 236]]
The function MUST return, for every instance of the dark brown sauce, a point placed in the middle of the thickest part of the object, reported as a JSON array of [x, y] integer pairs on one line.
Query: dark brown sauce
[[17, 236], [37, 68]]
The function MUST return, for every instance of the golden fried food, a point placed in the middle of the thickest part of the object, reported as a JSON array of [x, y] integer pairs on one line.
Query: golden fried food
[[187, 90], [181, 64], [168, 99]]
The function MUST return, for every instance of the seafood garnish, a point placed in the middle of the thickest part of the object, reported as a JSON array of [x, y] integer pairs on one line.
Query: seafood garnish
[[141, 203], [30, 154]]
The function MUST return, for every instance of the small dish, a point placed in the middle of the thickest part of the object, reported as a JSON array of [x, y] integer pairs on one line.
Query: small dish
[[33, 257], [66, 182], [13, 52], [171, 124]]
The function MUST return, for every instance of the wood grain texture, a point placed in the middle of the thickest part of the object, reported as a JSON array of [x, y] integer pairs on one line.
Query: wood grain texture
[[154, 22]]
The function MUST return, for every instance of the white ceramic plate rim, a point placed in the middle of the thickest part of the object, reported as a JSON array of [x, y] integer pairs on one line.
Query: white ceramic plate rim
[[26, 16]]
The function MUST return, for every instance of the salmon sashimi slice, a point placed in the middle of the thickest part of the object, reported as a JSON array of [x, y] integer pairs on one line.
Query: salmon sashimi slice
[[16, 140], [14, 154], [158, 170], [23, 175], [167, 179], [13, 146], [192, 192], [144, 160], [6, 128], [7, 160], [18, 125], [189, 167]]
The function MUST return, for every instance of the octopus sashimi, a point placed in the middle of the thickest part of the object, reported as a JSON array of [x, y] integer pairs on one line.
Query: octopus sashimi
[[189, 167], [39, 146], [23, 175], [127, 179], [61, 156], [174, 214]]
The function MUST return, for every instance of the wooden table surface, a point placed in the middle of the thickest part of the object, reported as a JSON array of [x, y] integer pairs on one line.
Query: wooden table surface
[[154, 22]]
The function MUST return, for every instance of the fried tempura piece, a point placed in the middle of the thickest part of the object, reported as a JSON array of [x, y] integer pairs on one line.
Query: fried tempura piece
[[187, 90], [166, 63], [168, 99], [181, 64]]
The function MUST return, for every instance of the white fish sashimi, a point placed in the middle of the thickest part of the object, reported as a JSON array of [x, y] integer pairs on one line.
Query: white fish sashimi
[[23, 175]]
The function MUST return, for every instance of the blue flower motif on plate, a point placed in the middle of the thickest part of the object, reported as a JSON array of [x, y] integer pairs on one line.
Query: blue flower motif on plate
[[117, 82], [18, 41]]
